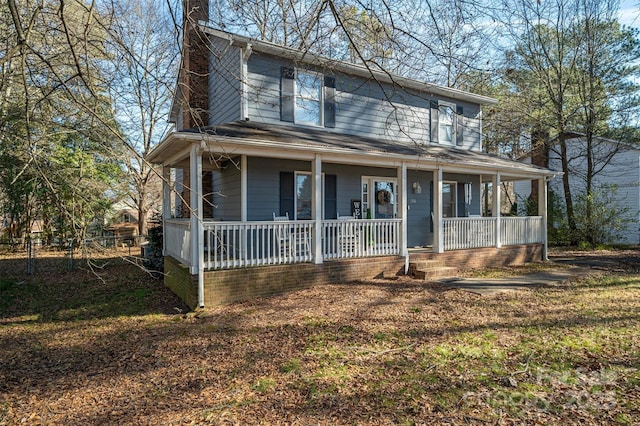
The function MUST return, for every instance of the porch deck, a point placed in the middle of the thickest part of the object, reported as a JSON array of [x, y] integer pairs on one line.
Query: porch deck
[[228, 245]]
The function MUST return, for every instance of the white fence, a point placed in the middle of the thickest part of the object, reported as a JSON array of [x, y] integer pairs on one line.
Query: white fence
[[177, 239]]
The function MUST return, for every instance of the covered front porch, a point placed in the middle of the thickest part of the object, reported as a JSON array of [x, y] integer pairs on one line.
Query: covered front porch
[[243, 244], [235, 199]]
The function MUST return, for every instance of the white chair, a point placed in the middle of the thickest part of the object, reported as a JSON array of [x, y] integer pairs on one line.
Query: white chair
[[348, 236], [282, 235]]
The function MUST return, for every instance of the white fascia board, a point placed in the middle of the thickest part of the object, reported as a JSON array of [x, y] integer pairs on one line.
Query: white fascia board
[[347, 68]]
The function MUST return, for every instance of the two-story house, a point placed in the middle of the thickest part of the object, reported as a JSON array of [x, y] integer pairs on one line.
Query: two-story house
[[288, 169]]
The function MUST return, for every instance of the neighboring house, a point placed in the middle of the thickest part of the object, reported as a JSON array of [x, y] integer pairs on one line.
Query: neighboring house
[[288, 169], [124, 225], [617, 172]]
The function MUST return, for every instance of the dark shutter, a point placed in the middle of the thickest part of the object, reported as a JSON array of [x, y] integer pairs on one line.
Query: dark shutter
[[459, 126], [330, 197], [287, 194], [329, 102], [434, 121], [462, 205], [287, 93]]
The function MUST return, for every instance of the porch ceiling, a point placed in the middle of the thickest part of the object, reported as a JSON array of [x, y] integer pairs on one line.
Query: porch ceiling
[[304, 143]]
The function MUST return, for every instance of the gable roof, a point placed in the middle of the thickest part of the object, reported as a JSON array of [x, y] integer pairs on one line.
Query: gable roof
[[309, 58]]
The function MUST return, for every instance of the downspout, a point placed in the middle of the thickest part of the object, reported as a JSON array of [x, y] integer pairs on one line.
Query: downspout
[[402, 180], [197, 252], [245, 53]]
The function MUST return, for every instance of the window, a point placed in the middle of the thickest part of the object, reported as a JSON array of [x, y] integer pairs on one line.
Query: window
[[303, 196], [446, 118], [295, 195], [447, 123], [307, 97], [449, 198]]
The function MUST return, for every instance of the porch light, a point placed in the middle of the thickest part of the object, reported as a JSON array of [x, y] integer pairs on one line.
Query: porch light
[[417, 189]]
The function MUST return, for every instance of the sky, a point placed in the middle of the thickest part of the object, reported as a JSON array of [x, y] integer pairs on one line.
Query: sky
[[629, 14]]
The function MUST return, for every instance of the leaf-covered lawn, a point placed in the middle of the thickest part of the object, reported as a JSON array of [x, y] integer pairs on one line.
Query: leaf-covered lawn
[[118, 348]]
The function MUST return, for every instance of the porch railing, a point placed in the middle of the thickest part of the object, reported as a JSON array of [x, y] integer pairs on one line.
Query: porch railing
[[360, 238], [469, 232], [239, 244], [521, 230], [177, 239]]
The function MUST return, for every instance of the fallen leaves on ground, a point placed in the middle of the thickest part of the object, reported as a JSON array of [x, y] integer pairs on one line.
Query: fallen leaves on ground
[[116, 347]]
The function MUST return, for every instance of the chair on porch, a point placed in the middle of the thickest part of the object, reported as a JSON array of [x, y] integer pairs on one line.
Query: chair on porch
[[348, 236], [282, 235]]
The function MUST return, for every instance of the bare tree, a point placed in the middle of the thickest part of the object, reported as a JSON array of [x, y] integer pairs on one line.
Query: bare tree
[[144, 58]]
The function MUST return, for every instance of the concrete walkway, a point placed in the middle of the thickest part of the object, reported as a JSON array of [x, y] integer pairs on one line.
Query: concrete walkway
[[489, 286]]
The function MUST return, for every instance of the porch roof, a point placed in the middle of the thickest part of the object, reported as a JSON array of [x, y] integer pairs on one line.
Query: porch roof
[[304, 143]]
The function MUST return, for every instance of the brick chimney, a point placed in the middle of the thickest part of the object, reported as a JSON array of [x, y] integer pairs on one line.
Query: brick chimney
[[195, 53]]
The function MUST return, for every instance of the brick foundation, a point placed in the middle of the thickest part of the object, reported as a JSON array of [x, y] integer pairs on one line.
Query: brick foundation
[[234, 285]]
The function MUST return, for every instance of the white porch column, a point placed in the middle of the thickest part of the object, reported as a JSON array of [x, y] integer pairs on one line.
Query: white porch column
[[542, 211], [402, 185], [243, 188], [495, 208], [166, 202], [316, 207], [195, 204], [438, 232]]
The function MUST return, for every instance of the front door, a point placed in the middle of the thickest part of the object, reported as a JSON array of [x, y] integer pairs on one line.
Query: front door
[[379, 198], [449, 198]]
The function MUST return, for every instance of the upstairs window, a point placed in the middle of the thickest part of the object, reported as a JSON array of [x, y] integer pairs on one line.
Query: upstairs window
[[307, 97], [446, 119], [447, 123]]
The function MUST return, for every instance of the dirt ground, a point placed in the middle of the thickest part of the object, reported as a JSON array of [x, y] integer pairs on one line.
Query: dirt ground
[[107, 344]]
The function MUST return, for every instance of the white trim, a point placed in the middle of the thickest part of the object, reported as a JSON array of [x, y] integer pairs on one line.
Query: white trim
[[438, 235], [497, 194], [317, 207]]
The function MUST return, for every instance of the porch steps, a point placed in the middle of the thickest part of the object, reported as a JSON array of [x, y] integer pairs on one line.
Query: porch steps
[[430, 269]]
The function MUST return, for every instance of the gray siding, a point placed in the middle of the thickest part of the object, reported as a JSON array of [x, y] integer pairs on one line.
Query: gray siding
[[224, 82], [363, 107], [226, 188], [464, 209], [420, 233], [263, 192], [622, 172]]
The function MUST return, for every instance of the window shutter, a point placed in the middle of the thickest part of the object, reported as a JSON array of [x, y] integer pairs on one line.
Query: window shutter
[[330, 197], [434, 121], [459, 126], [329, 102], [287, 193], [287, 93]]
